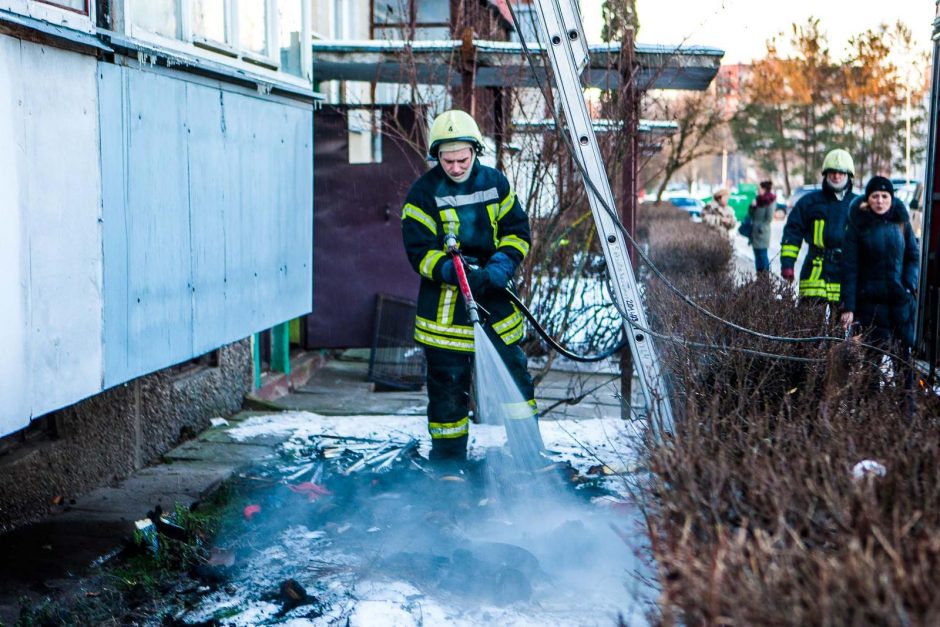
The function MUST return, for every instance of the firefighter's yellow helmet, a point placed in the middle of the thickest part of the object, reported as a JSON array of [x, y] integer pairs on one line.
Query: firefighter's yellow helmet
[[454, 126], [839, 160]]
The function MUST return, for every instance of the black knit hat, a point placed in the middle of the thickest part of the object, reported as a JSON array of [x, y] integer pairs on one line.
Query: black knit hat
[[879, 184]]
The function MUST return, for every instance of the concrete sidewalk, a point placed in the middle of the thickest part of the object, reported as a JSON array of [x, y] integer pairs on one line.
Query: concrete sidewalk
[[53, 558]]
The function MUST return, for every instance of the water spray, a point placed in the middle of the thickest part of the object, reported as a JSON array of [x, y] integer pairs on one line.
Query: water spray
[[497, 391]]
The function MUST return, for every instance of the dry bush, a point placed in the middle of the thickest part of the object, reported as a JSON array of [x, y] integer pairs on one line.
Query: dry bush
[[754, 515], [679, 247]]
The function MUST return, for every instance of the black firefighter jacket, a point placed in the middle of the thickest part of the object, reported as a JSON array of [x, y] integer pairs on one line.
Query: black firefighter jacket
[[880, 271], [819, 219], [486, 217]]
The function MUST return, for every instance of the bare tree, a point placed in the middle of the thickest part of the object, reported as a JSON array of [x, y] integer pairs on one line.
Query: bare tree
[[701, 123]]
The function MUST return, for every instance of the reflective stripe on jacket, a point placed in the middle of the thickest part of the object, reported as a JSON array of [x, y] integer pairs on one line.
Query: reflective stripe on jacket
[[486, 217]]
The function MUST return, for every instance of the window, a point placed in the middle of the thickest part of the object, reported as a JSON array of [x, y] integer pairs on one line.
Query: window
[[79, 6], [365, 135], [253, 27], [270, 33], [157, 16], [74, 14], [427, 11], [289, 35], [211, 21], [410, 19]]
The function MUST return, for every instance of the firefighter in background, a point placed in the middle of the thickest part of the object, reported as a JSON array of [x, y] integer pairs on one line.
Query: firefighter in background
[[819, 219], [475, 203]]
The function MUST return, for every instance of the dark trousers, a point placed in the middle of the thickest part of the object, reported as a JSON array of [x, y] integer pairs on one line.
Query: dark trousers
[[761, 261], [896, 350], [449, 376]]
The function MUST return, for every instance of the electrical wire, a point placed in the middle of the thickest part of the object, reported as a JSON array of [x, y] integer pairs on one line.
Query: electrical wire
[[706, 346], [646, 259], [556, 346]]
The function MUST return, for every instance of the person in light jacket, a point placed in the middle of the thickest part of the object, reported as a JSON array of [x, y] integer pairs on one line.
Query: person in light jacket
[[761, 213], [717, 213]]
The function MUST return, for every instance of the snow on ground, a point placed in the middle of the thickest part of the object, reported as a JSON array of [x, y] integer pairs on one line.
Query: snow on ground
[[591, 557], [585, 443]]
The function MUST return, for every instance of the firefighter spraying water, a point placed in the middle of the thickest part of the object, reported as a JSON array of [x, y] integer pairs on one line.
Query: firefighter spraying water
[[465, 233], [474, 210]]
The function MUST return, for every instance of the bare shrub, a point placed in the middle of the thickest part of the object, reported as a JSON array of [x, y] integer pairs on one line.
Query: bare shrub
[[680, 247], [753, 511]]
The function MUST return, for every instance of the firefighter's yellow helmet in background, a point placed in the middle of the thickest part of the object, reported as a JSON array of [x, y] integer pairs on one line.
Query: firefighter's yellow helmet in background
[[839, 160], [454, 126]]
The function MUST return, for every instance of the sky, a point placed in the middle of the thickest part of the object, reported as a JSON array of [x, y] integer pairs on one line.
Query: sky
[[742, 27]]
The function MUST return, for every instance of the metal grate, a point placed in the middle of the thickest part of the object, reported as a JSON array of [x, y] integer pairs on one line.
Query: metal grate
[[396, 361]]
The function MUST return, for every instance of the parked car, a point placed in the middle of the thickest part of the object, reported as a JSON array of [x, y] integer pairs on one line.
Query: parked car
[[909, 191], [689, 204]]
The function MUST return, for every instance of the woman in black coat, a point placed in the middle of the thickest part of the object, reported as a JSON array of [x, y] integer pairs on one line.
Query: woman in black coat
[[880, 266]]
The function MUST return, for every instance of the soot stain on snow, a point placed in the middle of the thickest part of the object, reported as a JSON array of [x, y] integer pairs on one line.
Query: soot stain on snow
[[351, 511]]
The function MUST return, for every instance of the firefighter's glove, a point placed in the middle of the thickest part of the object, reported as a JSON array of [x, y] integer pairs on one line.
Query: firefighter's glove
[[478, 279], [499, 270], [448, 273], [787, 274]]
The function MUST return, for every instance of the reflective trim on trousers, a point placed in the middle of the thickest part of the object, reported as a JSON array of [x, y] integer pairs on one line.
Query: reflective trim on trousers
[[449, 430], [521, 411]]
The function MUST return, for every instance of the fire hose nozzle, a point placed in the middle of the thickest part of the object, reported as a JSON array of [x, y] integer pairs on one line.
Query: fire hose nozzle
[[473, 312], [450, 243]]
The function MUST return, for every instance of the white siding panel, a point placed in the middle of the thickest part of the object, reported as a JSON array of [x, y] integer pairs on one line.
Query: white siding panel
[[50, 246], [14, 280], [63, 188]]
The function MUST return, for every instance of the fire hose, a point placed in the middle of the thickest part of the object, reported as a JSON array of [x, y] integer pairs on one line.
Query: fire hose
[[473, 310], [555, 345]]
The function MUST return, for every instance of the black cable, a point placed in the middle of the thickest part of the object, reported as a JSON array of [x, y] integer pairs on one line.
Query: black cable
[[662, 336], [555, 345]]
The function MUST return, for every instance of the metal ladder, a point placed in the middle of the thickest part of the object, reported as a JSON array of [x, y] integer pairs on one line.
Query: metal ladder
[[562, 38]]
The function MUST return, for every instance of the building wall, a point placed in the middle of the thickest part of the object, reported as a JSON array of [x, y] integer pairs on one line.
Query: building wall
[[113, 433], [152, 214], [50, 244], [207, 215], [181, 223]]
